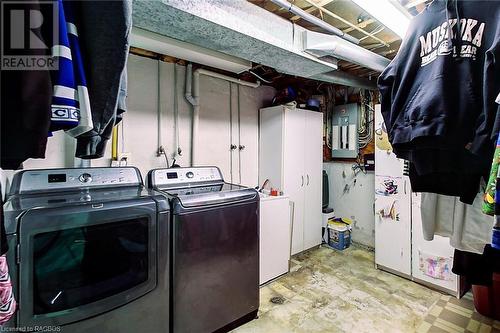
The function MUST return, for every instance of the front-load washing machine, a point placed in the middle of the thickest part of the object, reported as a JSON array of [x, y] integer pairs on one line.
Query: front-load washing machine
[[214, 248], [88, 251]]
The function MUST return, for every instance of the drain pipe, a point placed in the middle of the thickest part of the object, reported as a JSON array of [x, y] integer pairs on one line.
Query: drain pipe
[[193, 97], [314, 20]]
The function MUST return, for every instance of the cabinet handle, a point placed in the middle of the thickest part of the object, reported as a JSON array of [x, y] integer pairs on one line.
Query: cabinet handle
[[233, 147], [307, 180], [241, 147], [302, 181]]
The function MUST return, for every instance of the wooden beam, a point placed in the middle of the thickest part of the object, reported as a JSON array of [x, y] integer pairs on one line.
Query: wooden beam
[[312, 8], [362, 25]]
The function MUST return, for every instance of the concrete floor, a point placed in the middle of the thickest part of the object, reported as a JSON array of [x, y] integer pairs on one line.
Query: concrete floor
[[332, 291]]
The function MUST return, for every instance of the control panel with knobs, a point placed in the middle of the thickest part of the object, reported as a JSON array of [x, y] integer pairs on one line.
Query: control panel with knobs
[[85, 177]]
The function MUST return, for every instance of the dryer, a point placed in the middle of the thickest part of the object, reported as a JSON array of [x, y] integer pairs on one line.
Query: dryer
[[88, 251], [214, 248]]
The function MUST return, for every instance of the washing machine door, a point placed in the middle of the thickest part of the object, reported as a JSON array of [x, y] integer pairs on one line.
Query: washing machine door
[[82, 260]]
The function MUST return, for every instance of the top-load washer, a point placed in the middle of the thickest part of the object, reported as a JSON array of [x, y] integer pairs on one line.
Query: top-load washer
[[214, 248], [88, 251]]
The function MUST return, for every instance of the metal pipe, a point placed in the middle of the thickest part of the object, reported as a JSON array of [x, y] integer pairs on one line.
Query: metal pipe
[[314, 20], [352, 25], [346, 79], [194, 99]]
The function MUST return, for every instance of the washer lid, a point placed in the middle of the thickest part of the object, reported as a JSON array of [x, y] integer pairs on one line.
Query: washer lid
[[201, 196]]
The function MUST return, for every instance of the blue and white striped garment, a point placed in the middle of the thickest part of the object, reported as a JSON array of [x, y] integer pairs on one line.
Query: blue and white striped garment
[[70, 102]]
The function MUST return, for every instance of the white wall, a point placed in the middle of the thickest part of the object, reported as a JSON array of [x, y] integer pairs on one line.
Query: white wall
[[140, 121], [357, 203]]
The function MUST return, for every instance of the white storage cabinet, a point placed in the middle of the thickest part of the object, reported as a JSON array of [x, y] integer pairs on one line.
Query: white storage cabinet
[[291, 157]]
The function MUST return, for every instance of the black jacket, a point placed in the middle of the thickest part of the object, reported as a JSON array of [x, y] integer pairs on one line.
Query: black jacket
[[438, 95], [105, 28], [444, 86]]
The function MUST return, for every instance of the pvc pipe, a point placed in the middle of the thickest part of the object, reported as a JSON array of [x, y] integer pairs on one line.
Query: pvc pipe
[[158, 101], [314, 20], [193, 97]]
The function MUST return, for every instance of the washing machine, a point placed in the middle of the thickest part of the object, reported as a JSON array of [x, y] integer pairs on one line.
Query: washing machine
[[214, 248], [88, 251]]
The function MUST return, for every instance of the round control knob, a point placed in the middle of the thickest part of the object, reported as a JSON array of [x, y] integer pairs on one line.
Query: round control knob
[[190, 174], [85, 178]]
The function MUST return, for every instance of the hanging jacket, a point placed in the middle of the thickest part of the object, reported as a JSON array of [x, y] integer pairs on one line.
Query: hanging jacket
[[104, 36], [70, 103], [25, 106], [437, 93]]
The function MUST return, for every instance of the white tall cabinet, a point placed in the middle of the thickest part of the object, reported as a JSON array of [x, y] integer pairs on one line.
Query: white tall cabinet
[[291, 157]]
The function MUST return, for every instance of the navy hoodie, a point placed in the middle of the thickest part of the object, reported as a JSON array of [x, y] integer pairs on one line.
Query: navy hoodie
[[438, 95], [439, 91]]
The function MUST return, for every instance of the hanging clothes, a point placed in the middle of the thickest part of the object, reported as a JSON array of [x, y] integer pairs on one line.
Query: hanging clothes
[[85, 116], [437, 96], [104, 37], [465, 225], [7, 301], [25, 114], [70, 104]]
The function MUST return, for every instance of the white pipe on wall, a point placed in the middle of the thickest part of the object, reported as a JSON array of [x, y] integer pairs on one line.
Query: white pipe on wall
[[193, 97]]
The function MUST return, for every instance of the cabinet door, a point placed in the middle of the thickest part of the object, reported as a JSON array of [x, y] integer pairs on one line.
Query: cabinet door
[[429, 255], [313, 152], [392, 205], [214, 131], [274, 238], [294, 178], [250, 100]]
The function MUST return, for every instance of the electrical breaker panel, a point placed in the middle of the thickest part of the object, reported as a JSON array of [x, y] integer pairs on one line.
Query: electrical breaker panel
[[345, 131]]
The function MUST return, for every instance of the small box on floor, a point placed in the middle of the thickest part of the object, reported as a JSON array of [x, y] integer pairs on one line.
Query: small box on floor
[[339, 234]]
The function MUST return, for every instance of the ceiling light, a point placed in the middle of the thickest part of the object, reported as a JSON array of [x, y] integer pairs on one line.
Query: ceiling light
[[387, 13]]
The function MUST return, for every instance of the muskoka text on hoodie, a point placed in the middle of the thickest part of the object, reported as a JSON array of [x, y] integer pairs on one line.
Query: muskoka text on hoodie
[[438, 94]]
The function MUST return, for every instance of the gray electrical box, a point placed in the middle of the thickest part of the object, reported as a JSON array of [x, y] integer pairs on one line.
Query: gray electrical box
[[345, 142]]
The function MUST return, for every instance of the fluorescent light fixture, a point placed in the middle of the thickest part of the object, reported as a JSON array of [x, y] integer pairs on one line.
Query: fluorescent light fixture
[[164, 45], [386, 13]]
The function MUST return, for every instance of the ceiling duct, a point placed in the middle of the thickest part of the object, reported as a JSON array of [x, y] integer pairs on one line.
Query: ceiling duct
[[321, 45], [314, 20]]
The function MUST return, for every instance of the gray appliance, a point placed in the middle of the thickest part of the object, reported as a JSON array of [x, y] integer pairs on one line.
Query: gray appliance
[[88, 251], [215, 249]]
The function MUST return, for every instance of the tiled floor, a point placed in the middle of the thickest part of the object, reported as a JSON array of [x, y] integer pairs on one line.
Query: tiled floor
[[457, 315], [330, 291]]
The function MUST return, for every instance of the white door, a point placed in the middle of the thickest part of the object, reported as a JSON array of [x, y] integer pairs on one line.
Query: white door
[[234, 176], [431, 260], [248, 147], [214, 133], [313, 183], [274, 237], [294, 178]]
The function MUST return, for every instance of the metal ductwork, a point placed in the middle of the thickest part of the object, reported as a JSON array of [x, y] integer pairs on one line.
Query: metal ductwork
[[321, 45], [243, 30], [346, 79], [314, 20]]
